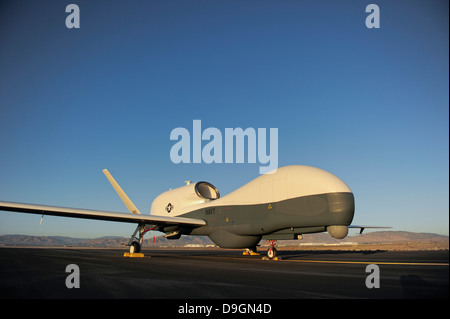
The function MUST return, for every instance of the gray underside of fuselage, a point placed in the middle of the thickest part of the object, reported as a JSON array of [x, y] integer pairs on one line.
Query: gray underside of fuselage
[[243, 226]]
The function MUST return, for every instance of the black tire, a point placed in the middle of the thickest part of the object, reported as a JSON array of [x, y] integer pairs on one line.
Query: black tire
[[272, 253], [135, 247]]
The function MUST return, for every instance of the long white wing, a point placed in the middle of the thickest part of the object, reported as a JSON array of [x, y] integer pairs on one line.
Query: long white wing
[[99, 215]]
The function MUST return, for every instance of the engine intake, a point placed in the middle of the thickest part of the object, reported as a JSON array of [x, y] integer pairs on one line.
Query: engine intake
[[206, 190], [173, 202]]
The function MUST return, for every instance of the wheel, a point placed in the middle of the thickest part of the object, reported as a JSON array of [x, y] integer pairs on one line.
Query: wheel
[[272, 252], [135, 247]]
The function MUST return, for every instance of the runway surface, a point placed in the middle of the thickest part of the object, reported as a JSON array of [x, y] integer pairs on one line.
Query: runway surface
[[223, 274]]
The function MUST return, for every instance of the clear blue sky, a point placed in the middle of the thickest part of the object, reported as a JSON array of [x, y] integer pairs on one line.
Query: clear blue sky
[[369, 105]]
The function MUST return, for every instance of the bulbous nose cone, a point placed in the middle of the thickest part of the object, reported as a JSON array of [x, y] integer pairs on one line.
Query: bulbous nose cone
[[341, 207]]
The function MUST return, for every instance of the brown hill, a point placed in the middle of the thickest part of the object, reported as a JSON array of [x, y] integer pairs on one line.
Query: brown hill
[[380, 237]]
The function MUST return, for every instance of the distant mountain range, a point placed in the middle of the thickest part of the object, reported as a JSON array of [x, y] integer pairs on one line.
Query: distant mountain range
[[380, 237]]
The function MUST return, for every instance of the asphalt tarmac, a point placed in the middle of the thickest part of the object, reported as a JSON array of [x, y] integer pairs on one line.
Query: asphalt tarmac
[[210, 273]]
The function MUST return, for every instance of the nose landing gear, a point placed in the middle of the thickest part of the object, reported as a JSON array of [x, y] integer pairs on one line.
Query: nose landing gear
[[272, 251]]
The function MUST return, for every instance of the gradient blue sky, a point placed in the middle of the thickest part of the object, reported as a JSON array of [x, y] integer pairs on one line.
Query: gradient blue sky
[[369, 105]]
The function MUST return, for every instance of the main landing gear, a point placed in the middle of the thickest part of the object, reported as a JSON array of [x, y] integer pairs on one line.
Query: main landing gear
[[135, 247], [250, 252], [135, 243]]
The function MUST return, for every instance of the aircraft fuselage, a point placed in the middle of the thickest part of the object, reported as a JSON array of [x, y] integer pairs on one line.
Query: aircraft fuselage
[[268, 208]]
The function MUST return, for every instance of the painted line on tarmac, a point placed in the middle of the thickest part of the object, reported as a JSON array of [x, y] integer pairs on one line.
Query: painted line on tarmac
[[308, 260], [366, 262]]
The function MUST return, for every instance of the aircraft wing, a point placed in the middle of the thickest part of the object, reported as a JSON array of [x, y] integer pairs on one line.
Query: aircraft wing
[[361, 228], [99, 215]]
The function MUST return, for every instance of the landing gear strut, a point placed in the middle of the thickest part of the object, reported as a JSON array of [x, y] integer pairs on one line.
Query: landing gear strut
[[136, 243]]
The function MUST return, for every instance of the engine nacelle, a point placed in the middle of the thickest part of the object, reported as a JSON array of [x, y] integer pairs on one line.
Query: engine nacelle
[[176, 201]]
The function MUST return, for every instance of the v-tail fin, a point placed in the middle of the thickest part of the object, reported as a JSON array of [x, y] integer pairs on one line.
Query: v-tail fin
[[121, 193]]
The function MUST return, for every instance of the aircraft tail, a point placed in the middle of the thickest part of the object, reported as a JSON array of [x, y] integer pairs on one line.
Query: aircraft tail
[[121, 193]]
